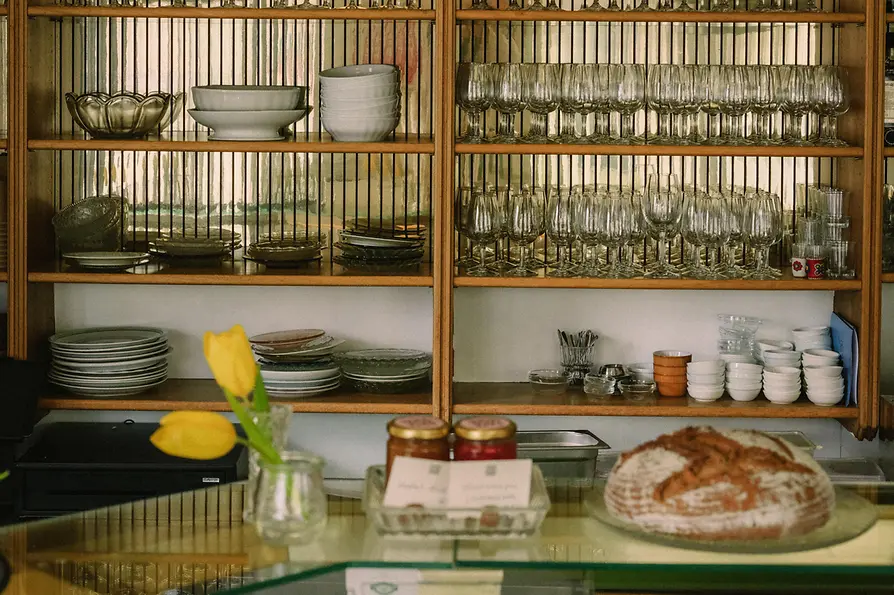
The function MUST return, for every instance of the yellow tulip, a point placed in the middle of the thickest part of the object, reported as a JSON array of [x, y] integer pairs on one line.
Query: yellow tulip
[[231, 361], [201, 435]]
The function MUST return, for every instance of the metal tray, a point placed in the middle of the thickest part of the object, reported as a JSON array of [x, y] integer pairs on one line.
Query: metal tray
[[562, 453], [797, 439], [852, 470]]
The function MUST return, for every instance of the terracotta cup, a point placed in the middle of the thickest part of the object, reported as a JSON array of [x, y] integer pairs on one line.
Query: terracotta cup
[[671, 389], [670, 372], [671, 358]]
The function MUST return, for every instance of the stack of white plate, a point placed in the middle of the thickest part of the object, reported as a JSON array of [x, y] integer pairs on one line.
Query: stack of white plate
[[294, 381], [812, 337], [294, 346], [360, 103], [109, 361]]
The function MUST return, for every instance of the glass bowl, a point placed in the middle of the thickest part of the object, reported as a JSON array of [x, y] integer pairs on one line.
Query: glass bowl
[[548, 381], [636, 390], [295, 250], [748, 324], [91, 225], [599, 386], [383, 362], [124, 114]]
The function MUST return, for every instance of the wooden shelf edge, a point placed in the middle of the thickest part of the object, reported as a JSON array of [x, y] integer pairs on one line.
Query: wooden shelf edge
[[422, 147], [232, 13], [4, 276], [655, 150], [887, 277], [888, 151], [661, 16], [260, 280], [692, 284], [75, 403]]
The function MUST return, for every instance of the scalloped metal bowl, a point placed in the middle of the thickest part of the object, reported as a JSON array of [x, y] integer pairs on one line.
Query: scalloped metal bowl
[[92, 224], [123, 114]]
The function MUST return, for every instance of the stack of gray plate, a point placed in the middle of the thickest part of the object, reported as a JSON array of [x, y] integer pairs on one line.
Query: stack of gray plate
[[386, 370], [109, 361]]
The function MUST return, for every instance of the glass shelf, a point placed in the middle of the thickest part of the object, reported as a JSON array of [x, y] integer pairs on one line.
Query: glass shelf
[[202, 531]]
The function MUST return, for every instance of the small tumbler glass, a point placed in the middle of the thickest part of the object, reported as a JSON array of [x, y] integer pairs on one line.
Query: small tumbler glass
[[290, 504], [838, 260], [810, 230]]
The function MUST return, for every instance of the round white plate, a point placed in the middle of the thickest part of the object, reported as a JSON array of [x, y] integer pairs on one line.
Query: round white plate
[[292, 395], [301, 389], [112, 392], [156, 367], [107, 338], [120, 365], [322, 350], [374, 242], [400, 378], [114, 383], [106, 258], [281, 373], [106, 356]]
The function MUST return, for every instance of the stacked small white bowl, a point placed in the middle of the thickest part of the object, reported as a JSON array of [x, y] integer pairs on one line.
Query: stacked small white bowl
[[813, 337], [743, 380], [248, 112], [770, 345], [360, 103], [704, 380], [823, 375], [782, 384]]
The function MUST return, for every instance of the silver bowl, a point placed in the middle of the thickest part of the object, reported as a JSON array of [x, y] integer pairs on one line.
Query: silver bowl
[[124, 114]]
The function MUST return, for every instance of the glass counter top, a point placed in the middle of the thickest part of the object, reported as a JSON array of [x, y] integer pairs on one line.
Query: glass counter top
[[192, 540]]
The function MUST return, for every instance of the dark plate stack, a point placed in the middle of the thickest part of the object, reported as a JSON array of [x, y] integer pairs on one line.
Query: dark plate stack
[[286, 253], [297, 363], [381, 249], [195, 249]]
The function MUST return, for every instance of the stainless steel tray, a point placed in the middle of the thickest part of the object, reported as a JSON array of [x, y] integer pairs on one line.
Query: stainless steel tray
[[562, 453], [798, 439]]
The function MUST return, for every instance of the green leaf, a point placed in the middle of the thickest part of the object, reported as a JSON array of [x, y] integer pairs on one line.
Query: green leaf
[[4, 475], [260, 402]]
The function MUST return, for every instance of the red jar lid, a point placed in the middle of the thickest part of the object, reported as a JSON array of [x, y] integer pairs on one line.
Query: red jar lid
[[485, 428]]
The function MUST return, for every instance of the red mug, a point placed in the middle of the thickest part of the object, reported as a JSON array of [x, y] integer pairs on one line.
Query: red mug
[[816, 268]]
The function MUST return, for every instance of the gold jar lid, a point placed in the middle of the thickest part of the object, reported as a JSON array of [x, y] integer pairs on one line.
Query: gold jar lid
[[418, 427], [485, 428]]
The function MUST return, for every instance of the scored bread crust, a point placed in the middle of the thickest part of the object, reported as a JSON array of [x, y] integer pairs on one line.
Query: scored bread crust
[[718, 484]]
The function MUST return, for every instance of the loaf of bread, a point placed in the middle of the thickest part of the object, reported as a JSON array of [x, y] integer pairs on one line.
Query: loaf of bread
[[705, 483]]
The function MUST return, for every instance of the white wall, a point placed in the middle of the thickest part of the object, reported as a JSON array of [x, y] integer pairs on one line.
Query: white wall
[[499, 335]]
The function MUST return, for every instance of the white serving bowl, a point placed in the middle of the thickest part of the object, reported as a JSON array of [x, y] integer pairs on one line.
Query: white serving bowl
[[706, 367], [248, 98], [782, 371], [352, 114], [826, 353], [705, 393], [820, 344], [825, 383], [705, 378], [737, 367], [346, 101], [736, 358], [743, 394], [360, 74], [771, 345], [370, 93], [825, 399], [782, 358], [741, 381], [823, 371], [819, 360], [706, 385], [743, 385], [782, 381], [809, 331], [360, 129], [248, 126], [782, 397]]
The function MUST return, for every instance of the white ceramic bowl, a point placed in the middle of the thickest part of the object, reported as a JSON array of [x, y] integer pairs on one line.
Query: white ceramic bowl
[[369, 93], [740, 381], [770, 345], [248, 98], [807, 331], [706, 367], [347, 101], [738, 358], [743, 394], [782, 380], [825, 399], [782, 397], [818, 360], [782, 371], [360, 74], [705, 379], [823, 371], [826, 353], [825, 383], [737, 367], [793, 361], [705, 393], [248, 126], [360, 129], [743, 385]]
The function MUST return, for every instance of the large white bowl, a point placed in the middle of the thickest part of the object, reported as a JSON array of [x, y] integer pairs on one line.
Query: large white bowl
[[360, 74], [781, 397], [824, 384], [743, 394], [706, 367], [782, 371], [781, 381], [819, 360], [705, 393], [823, 371], [824, 399], [706, 378], [743, 374], [365, 93], [771, 344], [737, 358], [236, 98], [743, 385], [349, 101], [743, 367], [248, 126], [395, 113], [360, 129], [811, 331]]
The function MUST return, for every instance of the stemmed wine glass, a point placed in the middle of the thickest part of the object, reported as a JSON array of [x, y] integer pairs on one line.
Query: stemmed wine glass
[[834, 101], [474, 93], [734, 102], [507, 100], [614, 231], [693, 95], [762, 83], [483, 225], [502, 198], [713, 229], [541, 98], [662, 207], [762, 227], [689, 227], [662, 88], [794, 100], [715, 92], [461, 200], [587, 225], [525, 224], [560, 228], [735, 204], [637, 233], [629, 83], [569, 102]]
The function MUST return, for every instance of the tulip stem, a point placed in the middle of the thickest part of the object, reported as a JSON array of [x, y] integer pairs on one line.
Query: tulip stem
[[256, 438], [260, 402]]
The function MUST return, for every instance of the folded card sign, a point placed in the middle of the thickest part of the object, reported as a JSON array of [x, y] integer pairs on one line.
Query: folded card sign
[[460, 484]]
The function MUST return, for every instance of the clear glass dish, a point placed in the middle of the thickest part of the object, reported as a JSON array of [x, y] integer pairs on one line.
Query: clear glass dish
[[124, 114], [486, 523], [383, 362]]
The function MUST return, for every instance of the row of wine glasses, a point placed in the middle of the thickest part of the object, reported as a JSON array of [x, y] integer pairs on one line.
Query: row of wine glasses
[[616, 220], [741, 104], [660, 5], [294, 4]]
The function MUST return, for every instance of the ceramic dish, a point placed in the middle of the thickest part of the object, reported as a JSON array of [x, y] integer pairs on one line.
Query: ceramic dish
[[384, 362], [298, 372], [248, 126], [403, 386], [376, 266], [287, 337], [107, 260], [378, 241], [223, 98], [94, 339]]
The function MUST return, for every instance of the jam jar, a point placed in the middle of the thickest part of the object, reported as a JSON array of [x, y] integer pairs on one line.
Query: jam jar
[[484, 439], [418, 437]]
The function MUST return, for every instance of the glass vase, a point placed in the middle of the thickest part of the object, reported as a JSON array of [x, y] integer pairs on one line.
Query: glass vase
[[275, 425], [290, 505]]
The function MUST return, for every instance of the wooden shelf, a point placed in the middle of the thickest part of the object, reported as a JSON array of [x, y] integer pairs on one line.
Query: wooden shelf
[[198, 142], [510, 398], [888, 151], [656, 150], [4, 144], [887, 277], [205, 395], [165, 12], [237, 272], [786, 283], [4, 276], [660, 16]]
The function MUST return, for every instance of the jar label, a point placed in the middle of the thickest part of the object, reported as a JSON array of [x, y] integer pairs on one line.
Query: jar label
[[419, 422], [486, 423]]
